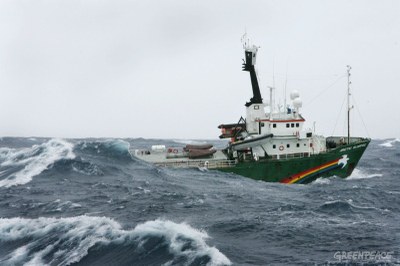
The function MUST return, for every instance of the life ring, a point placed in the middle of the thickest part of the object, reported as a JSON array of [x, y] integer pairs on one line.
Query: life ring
[[281, 148], [175, 151]]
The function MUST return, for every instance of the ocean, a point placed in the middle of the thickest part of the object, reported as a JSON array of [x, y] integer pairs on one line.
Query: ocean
[[87, 202]]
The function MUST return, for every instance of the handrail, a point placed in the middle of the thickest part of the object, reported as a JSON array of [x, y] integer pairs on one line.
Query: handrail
[[211, 164], [290, 155]]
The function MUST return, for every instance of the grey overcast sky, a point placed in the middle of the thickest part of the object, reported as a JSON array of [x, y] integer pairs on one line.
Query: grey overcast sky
[[172, 69]]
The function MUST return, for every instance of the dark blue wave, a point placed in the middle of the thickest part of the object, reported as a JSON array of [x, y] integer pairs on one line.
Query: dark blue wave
[[113, 149], [85, 240], [87, 202]]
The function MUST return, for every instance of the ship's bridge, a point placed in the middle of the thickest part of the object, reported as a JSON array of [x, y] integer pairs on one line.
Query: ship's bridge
[[281, 127], [283, 123]]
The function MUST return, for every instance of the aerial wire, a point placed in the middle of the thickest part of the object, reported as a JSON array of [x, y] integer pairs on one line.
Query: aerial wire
[[359, 113], [337, 119], [330, 86]]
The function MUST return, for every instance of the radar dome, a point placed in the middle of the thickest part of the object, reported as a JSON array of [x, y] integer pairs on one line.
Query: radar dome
[[297, 103], [294, 94]]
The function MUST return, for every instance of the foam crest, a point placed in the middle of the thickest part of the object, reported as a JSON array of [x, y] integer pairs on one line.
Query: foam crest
[[362, 174], [67, 239], [183, 240], [344, 206], [30, 162], [322, 181], [63, 241], [389, 143], [115, 148]]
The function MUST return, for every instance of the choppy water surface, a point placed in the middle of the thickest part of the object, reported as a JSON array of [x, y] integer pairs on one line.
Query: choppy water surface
[[86, 202]]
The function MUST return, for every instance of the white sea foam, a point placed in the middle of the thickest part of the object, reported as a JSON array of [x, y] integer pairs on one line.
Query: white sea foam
[[34, 160], [322, 181], [18, 255], [389, 143], [361, 174], [351, 204], [175, 234], [68, 240], [60, 206], [203, 169]]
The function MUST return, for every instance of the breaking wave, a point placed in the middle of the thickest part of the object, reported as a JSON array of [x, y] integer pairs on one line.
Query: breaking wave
[[361, 174], [343, 206], [390, 143], [91, 240], [113, 148], [78, 165], [250, 221], [18, 166]]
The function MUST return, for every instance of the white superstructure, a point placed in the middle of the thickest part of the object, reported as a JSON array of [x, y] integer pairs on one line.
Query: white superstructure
[[277, 133]]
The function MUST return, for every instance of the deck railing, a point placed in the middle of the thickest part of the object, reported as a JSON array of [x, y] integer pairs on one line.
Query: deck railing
[[212, 164], [291, 155]]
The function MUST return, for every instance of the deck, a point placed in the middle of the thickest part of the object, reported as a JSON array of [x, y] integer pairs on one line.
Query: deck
[[218, 160]]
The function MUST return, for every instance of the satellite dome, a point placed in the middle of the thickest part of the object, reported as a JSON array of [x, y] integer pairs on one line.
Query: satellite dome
[[297, 103], [294, 94]]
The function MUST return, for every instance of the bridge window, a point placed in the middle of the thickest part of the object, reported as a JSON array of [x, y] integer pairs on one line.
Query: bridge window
[[274, 125], [287, 125], [297, 125], [292, 125]]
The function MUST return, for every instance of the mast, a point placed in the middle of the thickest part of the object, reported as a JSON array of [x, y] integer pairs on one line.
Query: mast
[[248, 65], [270, 103], [348, 103], [271, 99]]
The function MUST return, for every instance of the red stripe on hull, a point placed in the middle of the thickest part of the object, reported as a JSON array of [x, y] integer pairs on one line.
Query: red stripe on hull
[[306, 172]]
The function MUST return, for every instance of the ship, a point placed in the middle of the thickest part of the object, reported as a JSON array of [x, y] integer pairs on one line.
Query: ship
[[270, 144]]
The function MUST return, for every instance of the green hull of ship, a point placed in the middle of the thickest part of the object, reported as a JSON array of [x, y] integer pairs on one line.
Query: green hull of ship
[[339, 161]]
